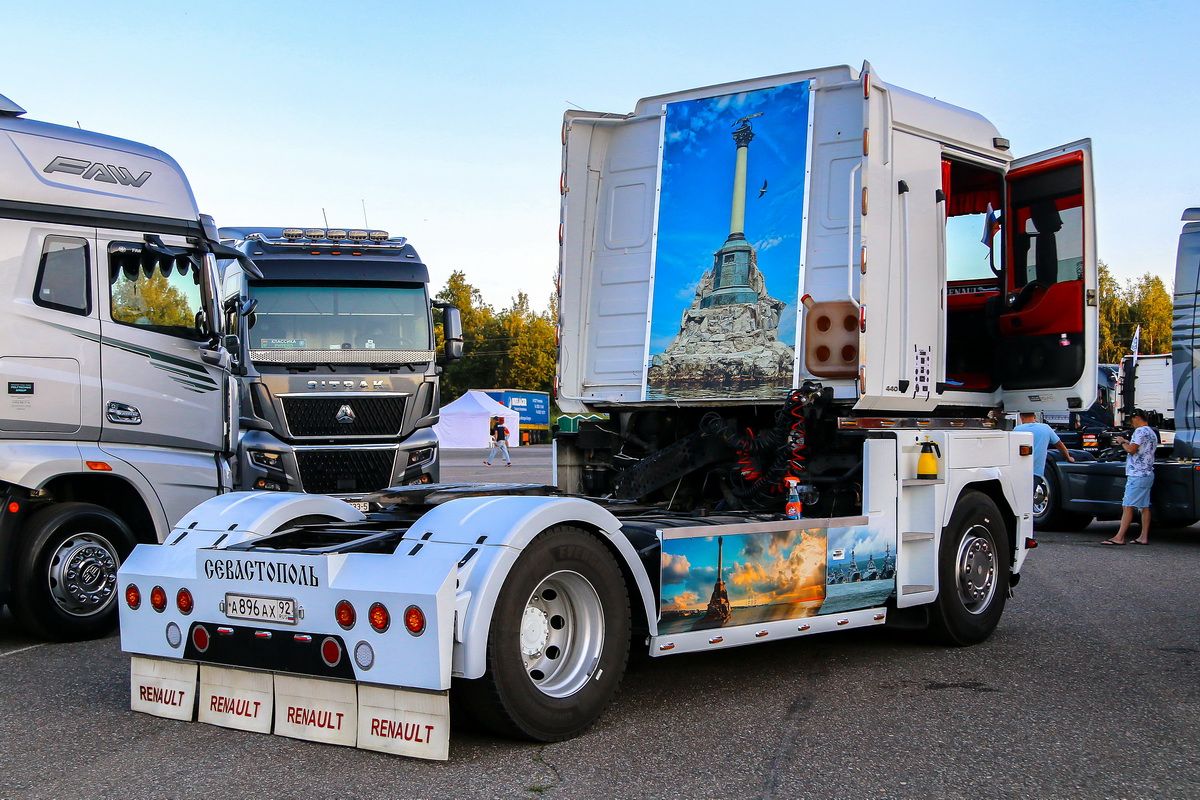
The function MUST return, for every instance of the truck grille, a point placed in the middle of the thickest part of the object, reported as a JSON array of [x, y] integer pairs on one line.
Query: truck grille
[[368, 415], [346, 471]]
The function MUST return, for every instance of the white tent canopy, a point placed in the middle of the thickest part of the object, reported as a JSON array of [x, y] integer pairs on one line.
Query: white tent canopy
[[465, 422]]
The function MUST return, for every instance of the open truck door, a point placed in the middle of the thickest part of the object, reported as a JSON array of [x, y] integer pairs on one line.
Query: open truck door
[[1049, 315]]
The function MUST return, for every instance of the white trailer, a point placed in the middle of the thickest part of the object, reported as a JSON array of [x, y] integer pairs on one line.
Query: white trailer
[[117, 414], [845, 333]]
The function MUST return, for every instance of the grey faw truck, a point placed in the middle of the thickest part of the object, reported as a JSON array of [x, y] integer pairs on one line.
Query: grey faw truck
[[118, 414]]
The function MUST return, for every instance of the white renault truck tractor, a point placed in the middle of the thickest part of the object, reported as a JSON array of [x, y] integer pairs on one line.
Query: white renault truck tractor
[[117, 414], [797, 299], [338, 370]]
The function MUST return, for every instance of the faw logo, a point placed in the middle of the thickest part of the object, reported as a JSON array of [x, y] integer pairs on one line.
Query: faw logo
[[95, 171]]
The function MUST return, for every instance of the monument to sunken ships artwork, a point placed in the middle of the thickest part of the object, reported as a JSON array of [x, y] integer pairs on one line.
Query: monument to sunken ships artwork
[[728, 340]]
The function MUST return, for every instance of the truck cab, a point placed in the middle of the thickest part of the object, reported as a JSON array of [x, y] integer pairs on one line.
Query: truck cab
[[337, 365], [119, 414]]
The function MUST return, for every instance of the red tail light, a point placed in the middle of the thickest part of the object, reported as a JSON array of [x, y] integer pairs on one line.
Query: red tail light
[[414, 620], [379, 617], [200, 638], [158, 599], [343, 612], [331, 652], [184, 602], [133, 597]]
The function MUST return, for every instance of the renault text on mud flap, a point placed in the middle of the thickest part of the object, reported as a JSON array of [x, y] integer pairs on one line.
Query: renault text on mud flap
[[95, 171], [228, 569]]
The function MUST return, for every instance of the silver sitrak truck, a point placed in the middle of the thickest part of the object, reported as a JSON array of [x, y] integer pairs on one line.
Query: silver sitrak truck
[[337, 362], [117, 414]]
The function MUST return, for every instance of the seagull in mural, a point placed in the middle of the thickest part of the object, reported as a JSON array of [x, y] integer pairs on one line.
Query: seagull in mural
[[763, 190], [746, 119]]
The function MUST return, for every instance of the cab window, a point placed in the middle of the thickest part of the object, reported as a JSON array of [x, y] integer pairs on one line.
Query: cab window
[[153, 290], [62, 281]]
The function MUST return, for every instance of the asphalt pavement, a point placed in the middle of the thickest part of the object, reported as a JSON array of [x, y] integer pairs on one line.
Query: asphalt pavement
[[1090, 688]]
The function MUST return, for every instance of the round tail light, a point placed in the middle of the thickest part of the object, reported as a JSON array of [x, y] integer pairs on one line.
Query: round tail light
[[184, 602], [379, 617], [343, 612], [158, 599], [414, 620], [331, 651], [133, 597], [200, 638]]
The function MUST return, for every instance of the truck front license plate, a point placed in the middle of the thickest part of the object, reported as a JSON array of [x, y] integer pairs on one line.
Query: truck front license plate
[[361, 505], [262, 609]]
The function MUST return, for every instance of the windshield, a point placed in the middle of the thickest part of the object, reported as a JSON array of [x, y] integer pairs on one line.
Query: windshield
[[340, 317]]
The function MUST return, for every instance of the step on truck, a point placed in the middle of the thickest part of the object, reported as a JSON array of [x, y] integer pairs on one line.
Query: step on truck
[[337, 368], [1073, 494], [118, 414], [815, 280]]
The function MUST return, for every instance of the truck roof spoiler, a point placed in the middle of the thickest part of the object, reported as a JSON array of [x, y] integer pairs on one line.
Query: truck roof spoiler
[[1191, 214], [8, 107]]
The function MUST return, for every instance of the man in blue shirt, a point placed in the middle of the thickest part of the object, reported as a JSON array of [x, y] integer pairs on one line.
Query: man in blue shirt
[[1043, 437], [1139, 477]]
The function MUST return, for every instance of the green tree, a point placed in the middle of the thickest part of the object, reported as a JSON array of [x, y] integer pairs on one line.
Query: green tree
[[529, 361], [1151, 306], [1113, 316], [1145, 301], [481, 330]]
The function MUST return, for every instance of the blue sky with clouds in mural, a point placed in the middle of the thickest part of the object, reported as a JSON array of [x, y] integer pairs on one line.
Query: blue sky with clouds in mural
[[697, 191]]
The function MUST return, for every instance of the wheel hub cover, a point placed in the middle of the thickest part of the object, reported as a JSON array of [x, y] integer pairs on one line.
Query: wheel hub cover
[[84, 575], [977, 568], [534, 631]]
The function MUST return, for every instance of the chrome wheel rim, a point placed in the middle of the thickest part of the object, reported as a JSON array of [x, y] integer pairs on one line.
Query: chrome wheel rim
[[83, 574], [1041, 496], [976, 569], [562, 634]]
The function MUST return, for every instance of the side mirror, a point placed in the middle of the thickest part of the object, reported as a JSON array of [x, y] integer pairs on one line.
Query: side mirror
[[452, 333]]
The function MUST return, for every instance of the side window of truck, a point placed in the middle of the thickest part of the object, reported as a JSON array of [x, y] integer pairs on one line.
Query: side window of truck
[[149, 290], [63, 281]]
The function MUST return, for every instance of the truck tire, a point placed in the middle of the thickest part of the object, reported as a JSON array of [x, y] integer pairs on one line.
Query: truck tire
[[558, 641], [65, 579], [1048, 514], [973, 573]]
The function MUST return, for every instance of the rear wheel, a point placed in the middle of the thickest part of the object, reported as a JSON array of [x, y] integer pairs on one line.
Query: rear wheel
[[558, 641], [973, 573], [1048, 514], [65, 582]]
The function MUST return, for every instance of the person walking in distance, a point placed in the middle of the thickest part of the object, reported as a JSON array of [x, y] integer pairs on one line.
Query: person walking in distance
[[1139, 477], [499, 435], [1043, 437]]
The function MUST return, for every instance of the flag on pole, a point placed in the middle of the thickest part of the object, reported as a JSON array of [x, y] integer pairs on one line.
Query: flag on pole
[[1133, 346]]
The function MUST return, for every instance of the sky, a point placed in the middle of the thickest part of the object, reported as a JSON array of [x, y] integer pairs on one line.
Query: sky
[[443, 119]]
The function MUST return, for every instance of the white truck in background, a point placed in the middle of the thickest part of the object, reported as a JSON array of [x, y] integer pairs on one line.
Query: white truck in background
[[337, 366], [761, 282], [118, 414]]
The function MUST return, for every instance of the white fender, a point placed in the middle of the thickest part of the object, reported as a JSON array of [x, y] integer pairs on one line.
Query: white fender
[[262, 513], [509, 524]]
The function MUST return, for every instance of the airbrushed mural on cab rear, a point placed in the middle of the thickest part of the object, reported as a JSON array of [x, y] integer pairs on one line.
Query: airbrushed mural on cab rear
[[743, 579]]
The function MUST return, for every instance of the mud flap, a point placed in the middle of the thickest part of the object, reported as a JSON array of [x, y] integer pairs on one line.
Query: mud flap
[[163, 688], [404, 723], [316, 710], [236, 698]]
